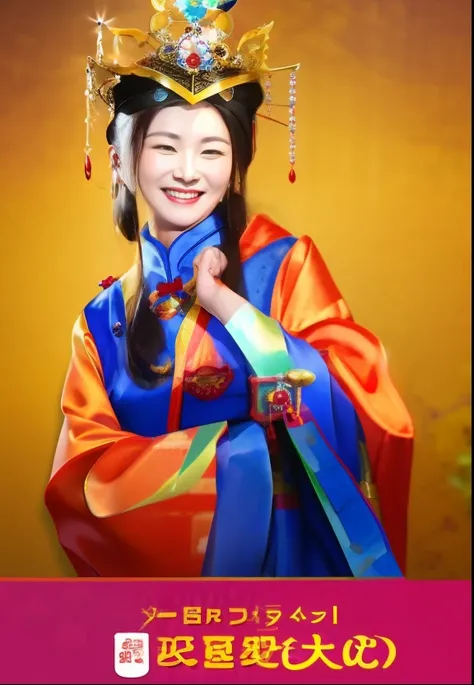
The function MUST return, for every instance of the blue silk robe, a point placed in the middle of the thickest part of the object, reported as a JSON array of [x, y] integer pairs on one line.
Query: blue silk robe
[[129, 496]]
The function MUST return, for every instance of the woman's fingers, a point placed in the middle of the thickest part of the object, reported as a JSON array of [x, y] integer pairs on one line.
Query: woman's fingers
[[212, 260]]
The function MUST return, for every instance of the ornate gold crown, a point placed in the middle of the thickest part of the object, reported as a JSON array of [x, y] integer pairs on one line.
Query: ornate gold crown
[[186, 51]]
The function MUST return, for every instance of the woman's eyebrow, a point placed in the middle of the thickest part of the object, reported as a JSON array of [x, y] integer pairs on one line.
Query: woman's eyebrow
[[175, 136]]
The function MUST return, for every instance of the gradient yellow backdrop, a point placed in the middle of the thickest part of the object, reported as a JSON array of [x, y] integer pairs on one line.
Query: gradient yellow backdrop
[[383, 188]]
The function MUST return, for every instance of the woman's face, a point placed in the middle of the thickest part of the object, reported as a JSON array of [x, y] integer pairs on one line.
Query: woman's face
[[185, 165]]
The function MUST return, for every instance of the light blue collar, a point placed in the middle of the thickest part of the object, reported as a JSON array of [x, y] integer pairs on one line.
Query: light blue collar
[[161, 264]]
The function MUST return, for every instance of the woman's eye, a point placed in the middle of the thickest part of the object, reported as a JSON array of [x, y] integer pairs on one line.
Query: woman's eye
[[164, 148], [213, 152]]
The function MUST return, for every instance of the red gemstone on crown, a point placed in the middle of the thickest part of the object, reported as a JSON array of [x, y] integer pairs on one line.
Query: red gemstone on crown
[[88, 168], [193, 60], [281, 398], [292, 176]]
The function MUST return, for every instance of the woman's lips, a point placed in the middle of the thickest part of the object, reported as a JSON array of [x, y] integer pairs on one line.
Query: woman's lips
[[182, 197]]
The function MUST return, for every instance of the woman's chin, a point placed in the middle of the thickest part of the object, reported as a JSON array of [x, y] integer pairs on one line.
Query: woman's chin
[[183, 216]]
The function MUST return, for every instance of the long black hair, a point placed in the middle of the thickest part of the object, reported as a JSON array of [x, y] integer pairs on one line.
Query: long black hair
[[145, 337]]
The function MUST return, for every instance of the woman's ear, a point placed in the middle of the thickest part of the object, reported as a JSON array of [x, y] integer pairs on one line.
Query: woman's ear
[[114, 158]]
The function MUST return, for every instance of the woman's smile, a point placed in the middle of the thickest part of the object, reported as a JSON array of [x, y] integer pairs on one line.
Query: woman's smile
[[182, 196]]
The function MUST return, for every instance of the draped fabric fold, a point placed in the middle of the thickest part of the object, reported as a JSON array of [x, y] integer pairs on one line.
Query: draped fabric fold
[[308, 304], [239, 535], [353, 522], [104, 478]]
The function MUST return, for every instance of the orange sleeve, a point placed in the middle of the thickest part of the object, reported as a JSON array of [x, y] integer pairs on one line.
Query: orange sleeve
[[90, 425], [309, 305], [101, 472]]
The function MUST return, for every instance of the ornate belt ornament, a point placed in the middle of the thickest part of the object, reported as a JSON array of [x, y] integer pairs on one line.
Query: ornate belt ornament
[[275, 398]]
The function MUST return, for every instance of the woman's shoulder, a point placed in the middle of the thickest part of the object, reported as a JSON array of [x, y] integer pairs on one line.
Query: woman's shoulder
[[264, 234], [98, 331]]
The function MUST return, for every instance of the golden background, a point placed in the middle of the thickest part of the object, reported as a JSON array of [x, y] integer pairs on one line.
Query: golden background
[[383, 186]]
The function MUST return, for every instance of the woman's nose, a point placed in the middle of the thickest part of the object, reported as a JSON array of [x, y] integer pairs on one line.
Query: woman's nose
[[186, 169]]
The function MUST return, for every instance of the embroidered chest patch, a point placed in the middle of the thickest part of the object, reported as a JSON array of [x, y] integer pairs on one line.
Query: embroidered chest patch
[[208, 382]]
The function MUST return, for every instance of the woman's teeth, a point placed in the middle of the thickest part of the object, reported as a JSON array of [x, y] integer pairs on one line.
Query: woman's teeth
[[183, 195]]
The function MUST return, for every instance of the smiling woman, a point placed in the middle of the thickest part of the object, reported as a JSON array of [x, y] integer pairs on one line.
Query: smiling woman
[[223, 413], [183, 172]]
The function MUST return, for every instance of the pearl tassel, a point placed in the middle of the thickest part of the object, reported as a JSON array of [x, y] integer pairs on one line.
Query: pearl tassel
[[268, 94], [89, 97], [292, 127]]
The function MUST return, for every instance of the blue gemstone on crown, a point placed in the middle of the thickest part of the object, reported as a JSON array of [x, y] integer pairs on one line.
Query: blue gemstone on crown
[[192, 10], [160, 95]]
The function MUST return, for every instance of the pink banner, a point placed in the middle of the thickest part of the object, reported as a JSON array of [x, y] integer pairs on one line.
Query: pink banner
[[211, 631]]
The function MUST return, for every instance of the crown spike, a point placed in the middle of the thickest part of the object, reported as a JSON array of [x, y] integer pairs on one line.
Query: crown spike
[[275, 121], [290, 67], [100, 45]]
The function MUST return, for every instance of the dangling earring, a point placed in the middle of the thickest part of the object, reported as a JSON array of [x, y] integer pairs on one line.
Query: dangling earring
[[116, 180], [114, 190]]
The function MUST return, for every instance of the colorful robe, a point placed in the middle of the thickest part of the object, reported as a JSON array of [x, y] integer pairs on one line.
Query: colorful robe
[[179, 479]]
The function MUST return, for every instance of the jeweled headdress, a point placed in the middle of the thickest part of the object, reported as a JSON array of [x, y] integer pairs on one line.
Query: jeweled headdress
[[186, 52]]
